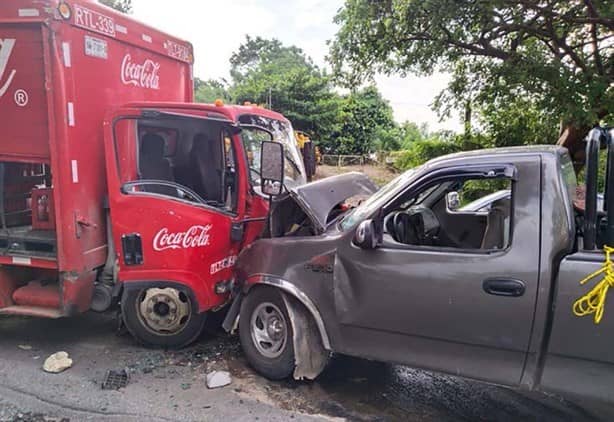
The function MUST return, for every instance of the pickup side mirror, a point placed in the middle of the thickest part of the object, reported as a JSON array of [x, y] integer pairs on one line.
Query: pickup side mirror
[[453, 201], [272, 168], [366, 236]]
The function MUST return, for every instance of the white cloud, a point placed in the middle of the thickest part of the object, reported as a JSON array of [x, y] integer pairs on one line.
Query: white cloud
[[217, 29]]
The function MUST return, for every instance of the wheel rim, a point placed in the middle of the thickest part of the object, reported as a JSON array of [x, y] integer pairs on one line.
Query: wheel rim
[[269, 330], [164, 311]]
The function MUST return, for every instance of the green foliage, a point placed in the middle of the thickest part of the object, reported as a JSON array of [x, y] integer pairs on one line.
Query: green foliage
[[367, 124], [518, 122], [124, 6], [559, 53], [479, 188], [210, 90], [267, 72]]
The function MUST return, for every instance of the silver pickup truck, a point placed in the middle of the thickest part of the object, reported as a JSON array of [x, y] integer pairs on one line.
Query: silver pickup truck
[[404, 277]]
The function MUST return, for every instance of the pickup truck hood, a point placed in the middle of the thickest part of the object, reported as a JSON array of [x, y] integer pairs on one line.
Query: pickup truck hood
[[317, 199]]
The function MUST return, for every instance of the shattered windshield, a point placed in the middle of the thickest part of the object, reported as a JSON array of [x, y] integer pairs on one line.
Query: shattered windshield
[[283, 133], [377, 200]]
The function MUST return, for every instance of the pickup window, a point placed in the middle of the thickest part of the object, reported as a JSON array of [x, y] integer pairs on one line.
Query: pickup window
[[466, 214]]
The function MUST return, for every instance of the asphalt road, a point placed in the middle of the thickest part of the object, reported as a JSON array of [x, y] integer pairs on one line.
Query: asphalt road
[[170, 385]]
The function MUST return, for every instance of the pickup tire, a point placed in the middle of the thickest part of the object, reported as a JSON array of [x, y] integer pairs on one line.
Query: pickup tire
[[266, 333], [161, 317]]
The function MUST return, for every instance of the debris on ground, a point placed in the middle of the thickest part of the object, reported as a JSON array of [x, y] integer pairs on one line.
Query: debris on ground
[[217, 379], [37, 417], [25, 347], [58, 362], [114, 380]]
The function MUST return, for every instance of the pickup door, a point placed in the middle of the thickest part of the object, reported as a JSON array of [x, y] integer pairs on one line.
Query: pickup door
[[443, 308]]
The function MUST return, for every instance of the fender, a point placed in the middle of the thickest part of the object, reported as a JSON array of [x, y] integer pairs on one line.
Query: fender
[[295, 292]]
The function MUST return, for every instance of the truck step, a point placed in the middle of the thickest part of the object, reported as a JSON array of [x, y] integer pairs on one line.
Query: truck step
[[34, 311], [38, 295]]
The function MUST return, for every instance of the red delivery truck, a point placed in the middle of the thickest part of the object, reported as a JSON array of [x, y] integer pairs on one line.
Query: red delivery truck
[[114, 187]]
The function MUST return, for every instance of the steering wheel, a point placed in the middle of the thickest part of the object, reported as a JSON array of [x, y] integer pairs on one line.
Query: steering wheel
[[416, 226], [180, 191], [402, 229]]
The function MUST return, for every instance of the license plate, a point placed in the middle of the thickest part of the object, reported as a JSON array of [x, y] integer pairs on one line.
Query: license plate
[[96, 48], [94, 21]]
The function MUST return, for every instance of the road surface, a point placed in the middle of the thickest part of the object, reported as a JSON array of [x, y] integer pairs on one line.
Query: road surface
[[170, 385]]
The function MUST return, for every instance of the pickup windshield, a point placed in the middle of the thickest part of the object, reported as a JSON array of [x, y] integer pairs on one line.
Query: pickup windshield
[[376, 201]]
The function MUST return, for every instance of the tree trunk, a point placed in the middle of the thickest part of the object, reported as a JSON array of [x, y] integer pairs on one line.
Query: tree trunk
[[572, 138], [468, 112]]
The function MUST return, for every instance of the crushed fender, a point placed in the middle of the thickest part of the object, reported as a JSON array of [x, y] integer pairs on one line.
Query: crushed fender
[[310, 356]]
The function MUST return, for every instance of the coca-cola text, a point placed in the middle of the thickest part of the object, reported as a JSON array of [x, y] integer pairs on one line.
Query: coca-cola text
[[144, 75], [194, 237]]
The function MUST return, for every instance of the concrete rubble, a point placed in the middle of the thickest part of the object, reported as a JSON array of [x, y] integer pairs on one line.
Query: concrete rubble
[[218, 379], [58, 362]]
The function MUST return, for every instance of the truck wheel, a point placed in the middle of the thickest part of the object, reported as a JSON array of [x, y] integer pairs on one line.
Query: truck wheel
[[266, 333], [161, 317]]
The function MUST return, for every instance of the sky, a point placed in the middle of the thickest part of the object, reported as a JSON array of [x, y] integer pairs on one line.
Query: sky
[[217, 29]]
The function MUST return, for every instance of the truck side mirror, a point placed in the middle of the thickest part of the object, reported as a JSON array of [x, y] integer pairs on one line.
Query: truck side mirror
[[453, 201], [272, 168], [366, 236]]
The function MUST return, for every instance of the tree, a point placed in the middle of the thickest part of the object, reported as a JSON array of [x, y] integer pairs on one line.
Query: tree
[[210, 90], [517, 122], [286, 80], [559, 54], [124, 6], [367, 124]]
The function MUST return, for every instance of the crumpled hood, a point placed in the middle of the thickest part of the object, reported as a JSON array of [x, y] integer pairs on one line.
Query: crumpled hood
[[319, 198]]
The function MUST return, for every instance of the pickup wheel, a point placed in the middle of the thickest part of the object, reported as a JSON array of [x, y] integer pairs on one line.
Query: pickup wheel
[[161, 317], [266, 333]]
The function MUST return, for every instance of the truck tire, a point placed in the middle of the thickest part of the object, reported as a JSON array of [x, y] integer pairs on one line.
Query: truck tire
[[266, 333], [161, 317]]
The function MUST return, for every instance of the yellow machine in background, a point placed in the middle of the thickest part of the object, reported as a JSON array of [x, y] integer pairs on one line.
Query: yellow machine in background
[[311, 153]]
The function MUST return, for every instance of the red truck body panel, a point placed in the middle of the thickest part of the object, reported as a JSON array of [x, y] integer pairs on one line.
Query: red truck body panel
[[58, 78]]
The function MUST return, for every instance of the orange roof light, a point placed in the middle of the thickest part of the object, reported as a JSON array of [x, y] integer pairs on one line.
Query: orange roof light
[[219, 103], [247, 103], [64, 10]]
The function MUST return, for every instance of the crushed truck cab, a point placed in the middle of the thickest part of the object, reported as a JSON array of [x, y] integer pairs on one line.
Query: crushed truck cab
[[113, 185]]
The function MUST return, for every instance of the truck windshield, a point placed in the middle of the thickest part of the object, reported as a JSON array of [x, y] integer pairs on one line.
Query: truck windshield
[[283, 133]]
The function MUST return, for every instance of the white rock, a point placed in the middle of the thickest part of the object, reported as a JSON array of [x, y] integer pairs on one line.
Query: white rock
[[217, 379], [58, 362]]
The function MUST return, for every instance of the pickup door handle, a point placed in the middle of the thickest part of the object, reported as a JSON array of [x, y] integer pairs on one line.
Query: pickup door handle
[[504, 287]]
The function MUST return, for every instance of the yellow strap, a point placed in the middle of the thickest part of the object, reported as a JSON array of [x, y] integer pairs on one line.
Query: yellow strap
[[594, 301]]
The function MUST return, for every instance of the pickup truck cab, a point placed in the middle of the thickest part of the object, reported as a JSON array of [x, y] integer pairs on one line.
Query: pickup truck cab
[[403, 278]]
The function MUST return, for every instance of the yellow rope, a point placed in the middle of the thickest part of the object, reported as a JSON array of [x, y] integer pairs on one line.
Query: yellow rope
[[594, 301]]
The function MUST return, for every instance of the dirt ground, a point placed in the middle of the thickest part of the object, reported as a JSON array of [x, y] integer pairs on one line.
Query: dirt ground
[[170, 385], [380, 175]]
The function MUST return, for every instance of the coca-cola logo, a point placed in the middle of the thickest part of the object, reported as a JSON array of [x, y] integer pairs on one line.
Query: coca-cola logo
[[144, 75], [194, 237], [6, 48]]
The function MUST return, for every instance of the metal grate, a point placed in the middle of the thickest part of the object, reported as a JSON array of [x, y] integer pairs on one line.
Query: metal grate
[[114, 380]]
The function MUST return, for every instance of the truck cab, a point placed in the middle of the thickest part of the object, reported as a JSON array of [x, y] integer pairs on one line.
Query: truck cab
[[418, 274], [184, 197]]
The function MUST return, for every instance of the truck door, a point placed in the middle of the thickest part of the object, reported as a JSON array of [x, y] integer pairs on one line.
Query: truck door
[[432, 296], [174, 190]]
